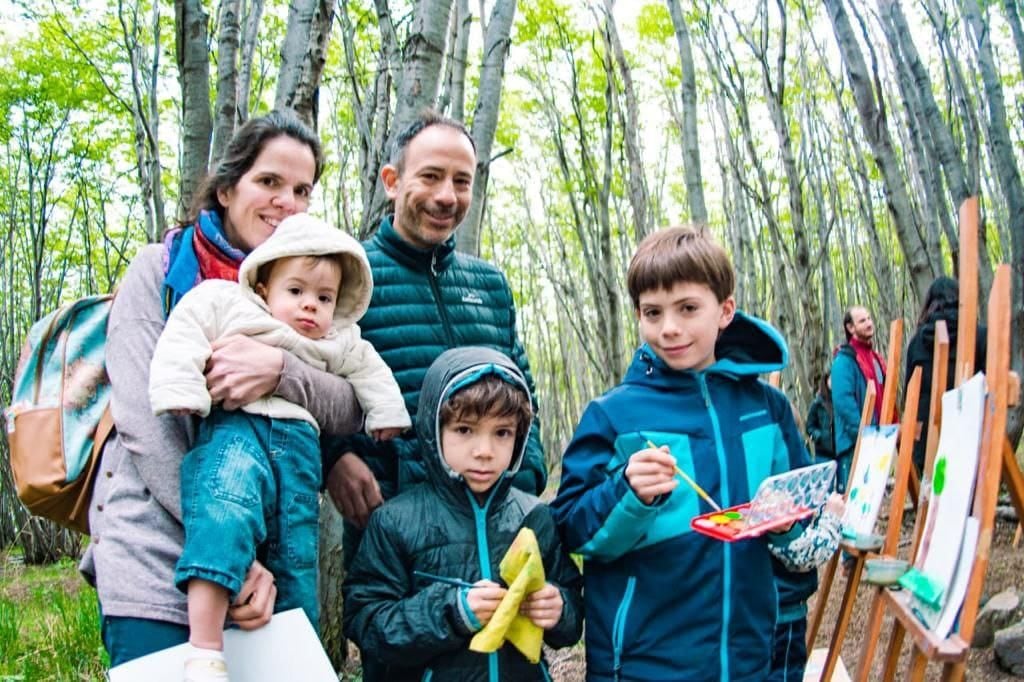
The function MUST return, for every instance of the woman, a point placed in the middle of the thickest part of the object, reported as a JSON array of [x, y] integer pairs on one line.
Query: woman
[[941, 302], [267, 174], [819, 420]]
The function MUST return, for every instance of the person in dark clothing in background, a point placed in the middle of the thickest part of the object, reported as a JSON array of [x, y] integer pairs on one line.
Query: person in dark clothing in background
[[941, 302], [820, 427]]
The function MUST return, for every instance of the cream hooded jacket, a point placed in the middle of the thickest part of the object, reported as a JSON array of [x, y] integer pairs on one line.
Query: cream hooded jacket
[[219, 308]]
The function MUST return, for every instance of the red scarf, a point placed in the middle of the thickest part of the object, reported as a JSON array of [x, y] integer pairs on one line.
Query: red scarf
[[213, 263], [867, 357]]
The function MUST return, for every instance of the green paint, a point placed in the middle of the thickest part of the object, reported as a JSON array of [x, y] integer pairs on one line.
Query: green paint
[[853, 493], [939, 482], [734, 515]]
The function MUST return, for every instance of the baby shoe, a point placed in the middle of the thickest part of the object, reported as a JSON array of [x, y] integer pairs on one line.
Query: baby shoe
[[206, 668]]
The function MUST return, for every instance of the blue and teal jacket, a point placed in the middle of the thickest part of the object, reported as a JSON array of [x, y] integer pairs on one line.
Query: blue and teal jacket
[[418, 629], [663, 602]]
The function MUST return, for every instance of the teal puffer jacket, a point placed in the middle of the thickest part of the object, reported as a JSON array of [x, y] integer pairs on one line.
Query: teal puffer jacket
[[425, 302]]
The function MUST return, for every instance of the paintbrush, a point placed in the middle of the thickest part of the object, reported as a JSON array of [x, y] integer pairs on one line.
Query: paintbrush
[[692, 483], [443, 579]]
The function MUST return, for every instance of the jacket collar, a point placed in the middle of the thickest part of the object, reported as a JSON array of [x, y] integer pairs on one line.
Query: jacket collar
[[392, 243]]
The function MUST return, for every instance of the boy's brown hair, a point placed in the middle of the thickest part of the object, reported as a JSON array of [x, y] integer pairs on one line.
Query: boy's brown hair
[[682, 253], [491, 396]]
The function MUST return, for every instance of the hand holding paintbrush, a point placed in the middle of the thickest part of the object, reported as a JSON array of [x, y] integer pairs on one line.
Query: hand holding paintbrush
[[651, 473], [689, 481]]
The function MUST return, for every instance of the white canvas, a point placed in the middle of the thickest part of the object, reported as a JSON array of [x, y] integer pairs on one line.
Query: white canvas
[[953, 478], [285, 649], [867, 486]]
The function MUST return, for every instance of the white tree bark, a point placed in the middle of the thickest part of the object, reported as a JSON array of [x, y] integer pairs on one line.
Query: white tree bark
[[252, 13], [691, 142], [193, 58], [225, 108], [875, 126], [303, 55], [485, 118]]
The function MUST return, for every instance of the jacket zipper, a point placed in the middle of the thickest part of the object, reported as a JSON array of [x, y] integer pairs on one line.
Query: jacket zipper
[[723, 494], [619, 626], [441, 311]]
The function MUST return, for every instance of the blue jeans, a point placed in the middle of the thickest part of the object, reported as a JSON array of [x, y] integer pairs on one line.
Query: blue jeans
[[249, 490], [126, 639], [789, 651]]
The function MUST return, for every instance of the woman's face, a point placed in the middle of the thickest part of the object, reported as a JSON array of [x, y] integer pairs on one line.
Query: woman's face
[[277, 185]]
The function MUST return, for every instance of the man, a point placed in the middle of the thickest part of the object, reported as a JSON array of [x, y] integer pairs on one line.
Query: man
[[855, 364], [426, 298]]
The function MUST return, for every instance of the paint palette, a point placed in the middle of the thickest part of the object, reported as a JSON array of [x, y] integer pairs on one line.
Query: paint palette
[[738, 523], [779, 502]]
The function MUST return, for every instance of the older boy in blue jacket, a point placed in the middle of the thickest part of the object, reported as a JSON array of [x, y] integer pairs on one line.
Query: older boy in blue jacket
[[662, 602]]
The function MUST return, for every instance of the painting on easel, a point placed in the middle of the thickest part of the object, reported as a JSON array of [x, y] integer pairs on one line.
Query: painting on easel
[[943, 568], [867, 485]]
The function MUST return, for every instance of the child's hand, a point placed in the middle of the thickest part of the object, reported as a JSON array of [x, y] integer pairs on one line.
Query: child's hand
[[385, 434], [543, 607], [483, 599], [835, 504], [651, 472]]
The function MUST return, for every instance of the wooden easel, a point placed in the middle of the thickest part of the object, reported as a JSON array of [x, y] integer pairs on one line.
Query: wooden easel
[[859, 554], [1005, 462], [952, 651]]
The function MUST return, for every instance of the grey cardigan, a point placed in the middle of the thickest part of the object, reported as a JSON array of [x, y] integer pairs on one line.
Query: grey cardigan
[[136, 514]]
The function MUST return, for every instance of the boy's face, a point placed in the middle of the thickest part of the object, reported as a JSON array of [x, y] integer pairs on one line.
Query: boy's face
[[479, 448], [681, 324], [303, 294]]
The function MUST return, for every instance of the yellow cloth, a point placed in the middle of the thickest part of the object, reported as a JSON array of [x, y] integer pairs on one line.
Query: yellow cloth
[[523, 571]]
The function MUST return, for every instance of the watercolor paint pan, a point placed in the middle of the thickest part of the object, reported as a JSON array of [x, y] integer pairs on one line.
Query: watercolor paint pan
[[730, 524]]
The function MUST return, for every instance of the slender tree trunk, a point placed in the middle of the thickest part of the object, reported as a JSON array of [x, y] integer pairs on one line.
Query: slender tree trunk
[[629, 115], [1005, 167], [691, 141], [248, 49], [1013, 19], [873, 121], [225, 108], [193, 56], [303, 55], [485, 118]]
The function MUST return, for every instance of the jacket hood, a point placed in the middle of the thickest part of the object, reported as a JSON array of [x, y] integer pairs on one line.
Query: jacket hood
[[303, 235], [453, 370], [749, 346]]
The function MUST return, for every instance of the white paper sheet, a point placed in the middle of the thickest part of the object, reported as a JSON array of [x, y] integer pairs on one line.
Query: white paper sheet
[[867, 487], [953, 478], [285, 649]]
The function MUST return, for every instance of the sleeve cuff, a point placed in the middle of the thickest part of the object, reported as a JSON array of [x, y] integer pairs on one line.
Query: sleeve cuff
[[468, 617]]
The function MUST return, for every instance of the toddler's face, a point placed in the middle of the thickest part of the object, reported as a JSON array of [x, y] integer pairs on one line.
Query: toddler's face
[[681, 324], [303, 294], [479, 448]]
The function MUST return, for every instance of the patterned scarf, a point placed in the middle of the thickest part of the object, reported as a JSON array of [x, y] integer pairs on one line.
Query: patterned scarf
[[192, 255]]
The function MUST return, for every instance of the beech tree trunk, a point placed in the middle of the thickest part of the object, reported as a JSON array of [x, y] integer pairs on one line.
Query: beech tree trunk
[[870, 108], [485, 118], [1005, 167], [193, 56], [225, 108], [688, 95]]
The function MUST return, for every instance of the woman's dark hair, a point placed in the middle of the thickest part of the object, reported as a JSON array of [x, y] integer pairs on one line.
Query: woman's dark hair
[[823, 390], [245, 146], [942, 294]]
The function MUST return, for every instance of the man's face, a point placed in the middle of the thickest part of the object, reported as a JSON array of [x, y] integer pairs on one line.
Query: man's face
[[862, 327], [435, 187]]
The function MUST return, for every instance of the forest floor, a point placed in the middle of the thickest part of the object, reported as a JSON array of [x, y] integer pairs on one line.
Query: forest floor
[[1006, 569]]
